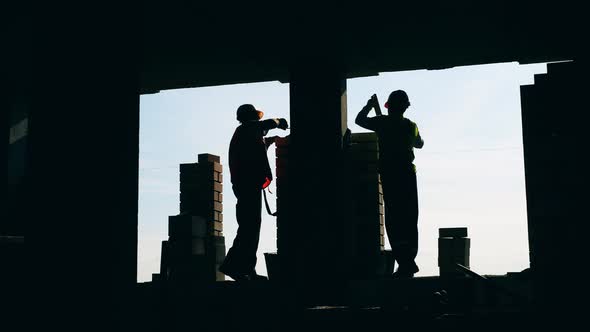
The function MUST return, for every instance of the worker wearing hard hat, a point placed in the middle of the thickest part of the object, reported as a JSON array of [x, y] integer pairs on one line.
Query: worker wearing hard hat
[[398, 136], [250, 174]]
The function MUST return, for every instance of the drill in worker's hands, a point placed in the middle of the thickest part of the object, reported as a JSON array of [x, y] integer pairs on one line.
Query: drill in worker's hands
[[283, 124]]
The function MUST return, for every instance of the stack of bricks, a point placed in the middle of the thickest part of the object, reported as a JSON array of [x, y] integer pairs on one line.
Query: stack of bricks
[[362, 156], [196, 247], [283, 190], [453, 247]]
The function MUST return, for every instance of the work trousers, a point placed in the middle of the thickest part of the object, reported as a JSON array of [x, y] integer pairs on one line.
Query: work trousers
[[241, 257], [400, 194]]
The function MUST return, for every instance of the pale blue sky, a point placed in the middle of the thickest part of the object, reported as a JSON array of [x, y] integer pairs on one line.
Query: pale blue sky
[[470, 171]]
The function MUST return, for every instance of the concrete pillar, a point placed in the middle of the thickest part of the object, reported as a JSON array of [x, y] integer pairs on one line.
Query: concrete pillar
[[5, 128], [554, 136], [319, 245], [84, 150]]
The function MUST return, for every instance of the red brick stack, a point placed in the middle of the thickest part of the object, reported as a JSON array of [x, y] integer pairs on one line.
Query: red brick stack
[[283, 188], [283, 207], [362, 156], [196, 246]]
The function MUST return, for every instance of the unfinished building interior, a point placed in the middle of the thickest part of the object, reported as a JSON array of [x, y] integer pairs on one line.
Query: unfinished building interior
[[71, 82]]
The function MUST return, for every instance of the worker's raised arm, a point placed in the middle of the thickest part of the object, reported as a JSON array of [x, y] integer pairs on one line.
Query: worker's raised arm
[[273, 123], [362, 119]]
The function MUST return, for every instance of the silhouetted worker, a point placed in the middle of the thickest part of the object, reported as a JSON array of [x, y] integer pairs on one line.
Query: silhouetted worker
[[398, 136], [250, 174]]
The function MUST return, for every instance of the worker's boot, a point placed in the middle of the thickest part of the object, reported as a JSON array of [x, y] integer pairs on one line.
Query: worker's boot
[[405, 271]]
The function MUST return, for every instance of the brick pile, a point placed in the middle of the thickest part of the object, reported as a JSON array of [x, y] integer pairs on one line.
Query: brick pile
[[362, 156], [196, 246]]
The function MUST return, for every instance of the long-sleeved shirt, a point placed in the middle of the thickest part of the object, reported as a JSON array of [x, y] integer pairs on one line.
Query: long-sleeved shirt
[[248, 160], [398, 136]]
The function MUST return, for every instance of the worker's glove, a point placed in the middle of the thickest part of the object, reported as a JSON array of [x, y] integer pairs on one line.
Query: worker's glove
[[283, 124]]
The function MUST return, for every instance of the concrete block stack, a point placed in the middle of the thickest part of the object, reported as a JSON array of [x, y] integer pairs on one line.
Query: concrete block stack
[[453, 247], [196, 246], [362, 156]]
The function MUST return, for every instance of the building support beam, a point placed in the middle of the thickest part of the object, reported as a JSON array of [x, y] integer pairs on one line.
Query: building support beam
[[83, 188], [555, 138], [319, 246]]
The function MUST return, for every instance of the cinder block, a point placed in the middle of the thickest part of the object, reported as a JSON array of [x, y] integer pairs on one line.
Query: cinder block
[[367, 179], [363, 157], [452, 232], [371, 147], [206, 157], [363, 167], [180, 249], [453, 250], [363, 137], [164, 259], [185, 226]]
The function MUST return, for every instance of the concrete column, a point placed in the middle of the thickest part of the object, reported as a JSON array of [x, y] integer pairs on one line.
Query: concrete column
[[319, 246], [554, 137], [5, 128], [82, 217]]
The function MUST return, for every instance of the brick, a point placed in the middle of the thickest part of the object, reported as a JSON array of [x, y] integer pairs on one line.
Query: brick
[[218, 216], [217, 187], [203, 167], [363, 157], [218, 226], [206, 157], [282, 162], [452, 232], [220, 177], [282, 141], [363, 167], [282, 152], [282, 172]]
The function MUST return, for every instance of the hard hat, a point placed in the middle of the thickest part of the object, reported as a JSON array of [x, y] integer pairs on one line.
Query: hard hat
[[248, 112], [397, 96]]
